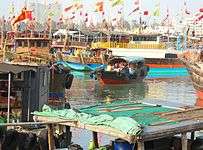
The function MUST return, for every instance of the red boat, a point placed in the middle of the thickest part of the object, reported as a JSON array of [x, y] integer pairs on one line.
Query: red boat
[[124, 76]]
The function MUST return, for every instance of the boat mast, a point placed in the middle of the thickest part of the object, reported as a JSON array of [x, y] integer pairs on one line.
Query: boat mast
[[140, 17], [2, 33]]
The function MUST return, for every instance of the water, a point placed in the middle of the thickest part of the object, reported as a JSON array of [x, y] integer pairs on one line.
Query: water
[[175, 92]]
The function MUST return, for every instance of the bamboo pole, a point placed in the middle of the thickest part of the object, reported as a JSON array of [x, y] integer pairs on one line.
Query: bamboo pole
[[184, 141], [9, 94], [50, 137], [95, 139], [140, 145]]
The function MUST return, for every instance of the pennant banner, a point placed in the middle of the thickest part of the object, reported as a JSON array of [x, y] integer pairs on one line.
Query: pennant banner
[[116, 2], [156, 11]]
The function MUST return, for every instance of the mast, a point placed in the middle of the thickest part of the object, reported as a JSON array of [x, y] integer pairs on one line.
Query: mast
[[2, 33], [140, 17]]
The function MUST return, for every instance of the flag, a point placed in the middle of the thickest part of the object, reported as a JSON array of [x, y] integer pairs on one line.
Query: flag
[[199, 18], [99, 6], [68, 8], [116, 2], [186, 10], [146, 13], [25, 14], [156, 11], [136, 7], [12, 9]]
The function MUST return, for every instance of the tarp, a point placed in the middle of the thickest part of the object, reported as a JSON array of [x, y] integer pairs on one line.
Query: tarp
[[14, 68]]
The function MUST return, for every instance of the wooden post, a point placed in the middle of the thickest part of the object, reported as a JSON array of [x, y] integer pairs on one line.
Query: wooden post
[[184, 141], [140, 145], [95, 139], [193, 135], [51, 137]]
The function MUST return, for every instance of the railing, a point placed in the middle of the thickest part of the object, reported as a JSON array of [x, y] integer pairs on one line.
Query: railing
[[128, 45]]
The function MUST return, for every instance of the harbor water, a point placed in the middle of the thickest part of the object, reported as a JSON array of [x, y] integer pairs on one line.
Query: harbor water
[[173, 91]]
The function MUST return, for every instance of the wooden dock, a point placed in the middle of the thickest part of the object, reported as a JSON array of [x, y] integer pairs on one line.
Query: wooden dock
[[188, 121]]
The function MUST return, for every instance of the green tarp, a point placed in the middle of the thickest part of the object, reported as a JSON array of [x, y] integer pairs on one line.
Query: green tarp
[[124, 116]]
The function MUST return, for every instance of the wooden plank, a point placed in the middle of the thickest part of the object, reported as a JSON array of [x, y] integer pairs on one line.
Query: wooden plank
[[100, 129], [32, 123], [193, 135], [184, 141], [156, 132], [95, 139], [51, 137], [140, 145]]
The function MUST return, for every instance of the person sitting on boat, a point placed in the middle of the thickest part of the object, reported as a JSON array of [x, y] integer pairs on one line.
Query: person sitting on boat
[[124, 69], [109, 67], [116, 67], [132, 71]]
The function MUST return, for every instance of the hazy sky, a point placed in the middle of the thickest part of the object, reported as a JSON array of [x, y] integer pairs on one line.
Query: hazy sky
[[173, 5]]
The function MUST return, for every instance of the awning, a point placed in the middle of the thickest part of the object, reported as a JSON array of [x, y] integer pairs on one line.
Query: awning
[[15, 68]]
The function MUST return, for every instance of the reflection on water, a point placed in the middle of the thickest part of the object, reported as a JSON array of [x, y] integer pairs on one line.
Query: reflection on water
[[86, 91]]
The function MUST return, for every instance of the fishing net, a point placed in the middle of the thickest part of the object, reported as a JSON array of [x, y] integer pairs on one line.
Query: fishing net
[[142, 113]]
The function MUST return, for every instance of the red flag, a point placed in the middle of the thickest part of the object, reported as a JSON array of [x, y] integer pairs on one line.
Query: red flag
[[25, 14], [68, 8], [99, 6], [146, 13]]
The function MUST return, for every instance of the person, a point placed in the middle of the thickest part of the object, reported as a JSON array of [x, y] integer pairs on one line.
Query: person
[[132, 71], [109, 67], [116, 67], [124, 69]]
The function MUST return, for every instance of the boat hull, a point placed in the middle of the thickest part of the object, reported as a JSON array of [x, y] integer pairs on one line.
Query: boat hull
[[109, 77], [196, 74], [164, 63]]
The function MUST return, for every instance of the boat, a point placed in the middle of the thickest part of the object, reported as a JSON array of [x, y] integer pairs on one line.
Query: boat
[[123, 76], [193, 60], [76, 52], [158, 52]]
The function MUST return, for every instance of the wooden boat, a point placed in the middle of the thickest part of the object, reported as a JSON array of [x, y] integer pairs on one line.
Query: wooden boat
[[30, 48], [122, 77], [194, 63], [75, 50]]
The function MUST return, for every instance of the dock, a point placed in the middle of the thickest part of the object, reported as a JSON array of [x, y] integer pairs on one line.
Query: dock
[[172, 122]]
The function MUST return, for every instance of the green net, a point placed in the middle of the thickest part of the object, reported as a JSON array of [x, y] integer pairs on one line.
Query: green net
[[122, 115], [143, 114]]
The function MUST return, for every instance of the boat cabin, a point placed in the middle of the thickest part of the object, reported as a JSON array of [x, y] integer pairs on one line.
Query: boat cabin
[[32, 47]]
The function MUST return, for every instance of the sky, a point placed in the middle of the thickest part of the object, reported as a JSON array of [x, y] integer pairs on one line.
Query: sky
[[174, 6]]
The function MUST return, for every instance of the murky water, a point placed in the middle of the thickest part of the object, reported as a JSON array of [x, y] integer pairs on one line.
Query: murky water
[[175, 92]]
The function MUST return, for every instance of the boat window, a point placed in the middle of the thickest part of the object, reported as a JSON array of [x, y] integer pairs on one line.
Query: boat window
[[38, 44], [45, 44], [32, 44], [19, 43], [25, 43]]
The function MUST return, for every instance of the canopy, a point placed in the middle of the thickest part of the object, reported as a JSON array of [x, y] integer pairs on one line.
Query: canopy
[[14, 68]]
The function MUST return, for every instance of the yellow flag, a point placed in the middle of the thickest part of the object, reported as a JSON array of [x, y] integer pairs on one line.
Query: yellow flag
[[157, 9], [116, 2]]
